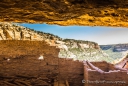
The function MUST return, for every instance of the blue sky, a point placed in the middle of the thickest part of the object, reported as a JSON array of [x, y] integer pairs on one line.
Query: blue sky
[[101, 35]]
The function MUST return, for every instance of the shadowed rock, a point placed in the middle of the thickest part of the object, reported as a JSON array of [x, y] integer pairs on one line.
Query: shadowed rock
[[66, 12]]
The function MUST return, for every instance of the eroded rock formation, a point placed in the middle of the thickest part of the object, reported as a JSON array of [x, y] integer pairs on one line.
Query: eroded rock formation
[[10, 31], [116, 47], [66, 12]]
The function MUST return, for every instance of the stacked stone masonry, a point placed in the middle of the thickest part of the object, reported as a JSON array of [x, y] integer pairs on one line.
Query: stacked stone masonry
[[110, 77], [19, 68], [22, 67]]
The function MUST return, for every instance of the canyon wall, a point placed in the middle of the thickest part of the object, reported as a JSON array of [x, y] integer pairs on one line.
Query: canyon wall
[[115, 47], [69, 48]]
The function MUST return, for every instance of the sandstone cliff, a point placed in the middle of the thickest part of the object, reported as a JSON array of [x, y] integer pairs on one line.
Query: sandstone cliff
[[116, 51], [115, 47], [11, 31], [69, 48], [82, 50]]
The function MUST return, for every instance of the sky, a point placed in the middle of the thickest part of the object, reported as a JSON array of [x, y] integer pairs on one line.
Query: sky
[[101, 35]]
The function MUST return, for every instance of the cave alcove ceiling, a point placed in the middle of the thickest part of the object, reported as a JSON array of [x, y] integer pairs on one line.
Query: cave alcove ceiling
[[66, 12]]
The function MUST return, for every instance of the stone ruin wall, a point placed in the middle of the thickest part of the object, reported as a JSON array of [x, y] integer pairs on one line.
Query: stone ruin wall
[[23, 67], [72, 71], [19, 65], [104, 66], [110, 74], [16, 48]]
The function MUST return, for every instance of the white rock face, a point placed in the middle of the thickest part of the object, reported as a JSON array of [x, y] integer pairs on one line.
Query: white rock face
[[83, 46], [17, 35], [2, 36], [125, 53], [10, 31], [60, 42], [63, 47]]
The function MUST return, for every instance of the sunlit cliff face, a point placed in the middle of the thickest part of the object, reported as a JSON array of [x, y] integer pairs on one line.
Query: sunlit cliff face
[[66, 12], [100, 35]]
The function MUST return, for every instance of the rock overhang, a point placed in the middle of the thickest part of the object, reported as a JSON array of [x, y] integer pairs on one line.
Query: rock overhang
[[66, 12]]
